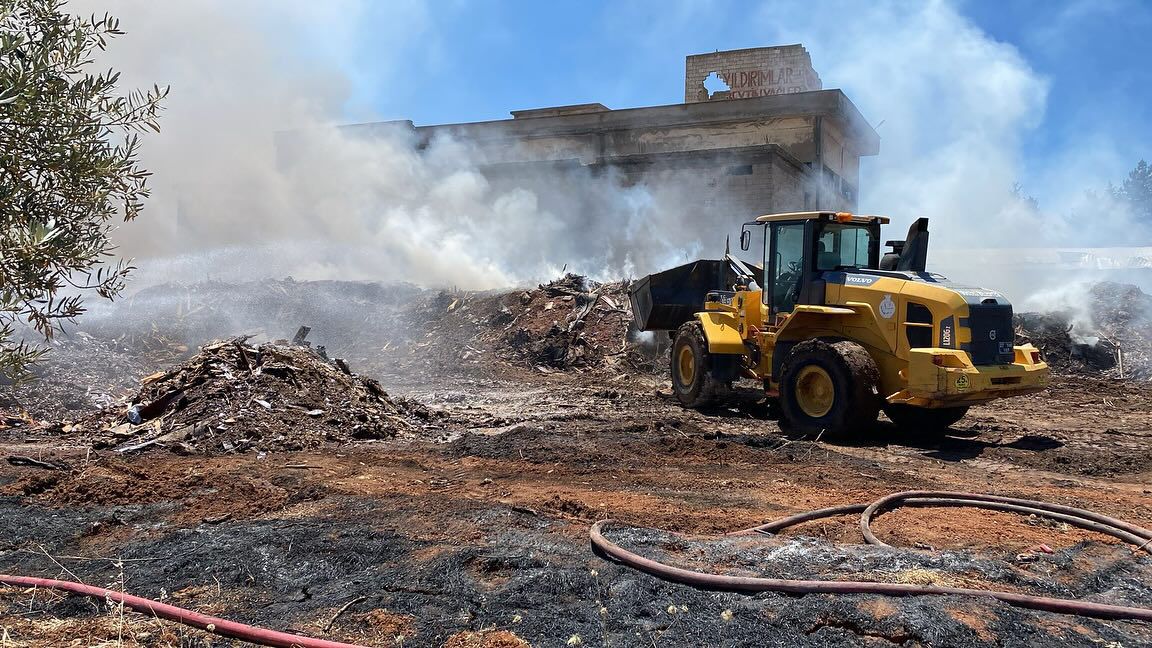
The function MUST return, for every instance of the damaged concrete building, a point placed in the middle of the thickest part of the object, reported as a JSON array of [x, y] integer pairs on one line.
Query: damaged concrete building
[[771, 139]]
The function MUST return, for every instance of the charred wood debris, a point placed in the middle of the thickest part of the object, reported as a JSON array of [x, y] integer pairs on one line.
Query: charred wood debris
[[235, 395], [570, 324], [1111, 336]]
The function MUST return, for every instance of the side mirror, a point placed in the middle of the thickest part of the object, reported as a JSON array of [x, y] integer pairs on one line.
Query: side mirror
[[745, 238]]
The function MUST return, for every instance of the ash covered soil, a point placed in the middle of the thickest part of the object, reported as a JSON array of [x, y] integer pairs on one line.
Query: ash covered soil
[[501, 427]]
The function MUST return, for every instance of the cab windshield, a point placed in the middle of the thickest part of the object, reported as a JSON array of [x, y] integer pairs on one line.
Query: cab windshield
[[847, 245]]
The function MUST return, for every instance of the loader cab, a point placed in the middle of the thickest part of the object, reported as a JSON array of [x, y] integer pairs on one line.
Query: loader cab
[[801, 248]]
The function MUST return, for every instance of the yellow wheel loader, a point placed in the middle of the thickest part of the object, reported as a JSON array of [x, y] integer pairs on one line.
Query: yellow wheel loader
[[835, 331]]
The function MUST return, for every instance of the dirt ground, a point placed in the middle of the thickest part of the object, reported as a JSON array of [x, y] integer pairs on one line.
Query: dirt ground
[[475, 532]]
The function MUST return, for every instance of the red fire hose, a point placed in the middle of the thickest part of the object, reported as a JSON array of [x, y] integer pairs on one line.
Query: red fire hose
[[222, 627], [1079, 517]]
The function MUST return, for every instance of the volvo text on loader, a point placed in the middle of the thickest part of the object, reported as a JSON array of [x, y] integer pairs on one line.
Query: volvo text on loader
[[836, 332]]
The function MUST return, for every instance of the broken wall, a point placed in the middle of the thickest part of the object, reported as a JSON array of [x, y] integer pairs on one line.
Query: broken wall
[[754, 72]]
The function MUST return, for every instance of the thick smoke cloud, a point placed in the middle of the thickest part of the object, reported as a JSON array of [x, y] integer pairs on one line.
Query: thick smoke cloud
[[425, 213], [229, 204], [951, 105], [954, 105]]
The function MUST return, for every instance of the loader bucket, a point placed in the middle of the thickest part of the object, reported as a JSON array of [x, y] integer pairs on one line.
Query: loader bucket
[[665, 300]]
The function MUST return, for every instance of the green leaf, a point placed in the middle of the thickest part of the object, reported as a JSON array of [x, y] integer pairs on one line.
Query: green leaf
[[68, 166]]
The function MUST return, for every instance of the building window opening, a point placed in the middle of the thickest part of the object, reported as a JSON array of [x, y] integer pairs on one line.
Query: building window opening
[[742, 169], [714, 83]]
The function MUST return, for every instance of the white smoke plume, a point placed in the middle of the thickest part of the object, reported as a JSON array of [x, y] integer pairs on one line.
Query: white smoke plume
[[354, 208], [951, 104]]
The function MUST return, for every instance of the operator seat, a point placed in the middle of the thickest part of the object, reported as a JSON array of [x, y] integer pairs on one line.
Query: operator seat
[[826, 260]]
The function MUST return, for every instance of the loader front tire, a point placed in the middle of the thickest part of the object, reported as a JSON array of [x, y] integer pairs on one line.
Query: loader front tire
[[698, 377], [921, 420], [830, 387]]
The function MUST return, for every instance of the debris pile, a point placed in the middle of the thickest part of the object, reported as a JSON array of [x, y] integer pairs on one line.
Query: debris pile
[[1114, 339], [395, 332], [569, 323], [390, 330], [1052, 333], [117, 343], [1122, 314], [234, 397]]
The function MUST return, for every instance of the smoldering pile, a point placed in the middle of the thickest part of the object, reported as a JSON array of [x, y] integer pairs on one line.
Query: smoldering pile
[[398, 333], [1114, 339], [234, 397], [114, 345], [1052, 333], [570, 323], [392, 330]]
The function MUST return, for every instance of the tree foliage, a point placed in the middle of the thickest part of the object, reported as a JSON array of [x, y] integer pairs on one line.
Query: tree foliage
[[1136, 190], [69, 144]]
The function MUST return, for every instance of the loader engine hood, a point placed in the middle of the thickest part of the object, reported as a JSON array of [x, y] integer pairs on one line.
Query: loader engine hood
[[867, 277], [986, 313]]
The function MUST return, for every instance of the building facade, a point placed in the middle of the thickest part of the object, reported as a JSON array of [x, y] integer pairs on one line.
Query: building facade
[[773, 141]]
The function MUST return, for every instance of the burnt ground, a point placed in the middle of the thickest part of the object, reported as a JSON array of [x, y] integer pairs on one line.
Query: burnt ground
[[474, 532]]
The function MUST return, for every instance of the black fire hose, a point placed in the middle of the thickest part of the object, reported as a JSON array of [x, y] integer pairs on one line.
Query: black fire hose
[[1078, 517]]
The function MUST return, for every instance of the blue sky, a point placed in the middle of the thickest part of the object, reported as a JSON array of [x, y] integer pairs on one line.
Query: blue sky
[[1098, 58], [451, 61]]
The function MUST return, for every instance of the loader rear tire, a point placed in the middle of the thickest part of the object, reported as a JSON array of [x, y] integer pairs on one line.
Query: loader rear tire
[[921, 420], [830, 387], [699, 377]]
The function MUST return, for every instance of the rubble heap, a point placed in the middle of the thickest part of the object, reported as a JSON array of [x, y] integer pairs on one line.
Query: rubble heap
[[233, 397], [391, 330], [1122, 314], [569, 323], [396, 332], [1052, 333], [1115, 338]]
